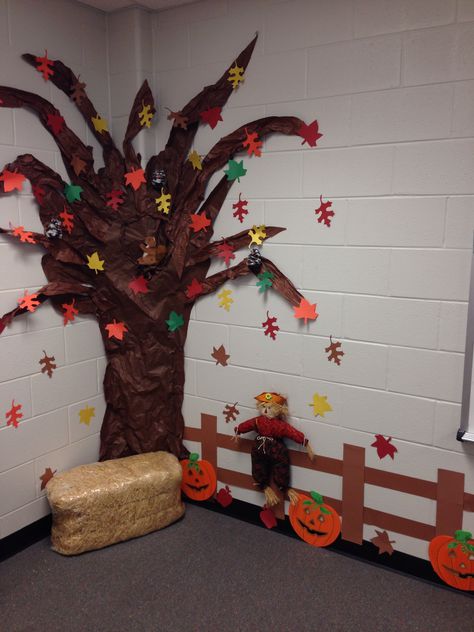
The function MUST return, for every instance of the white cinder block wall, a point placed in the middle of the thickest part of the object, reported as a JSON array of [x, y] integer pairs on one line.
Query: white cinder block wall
[[392, 86]]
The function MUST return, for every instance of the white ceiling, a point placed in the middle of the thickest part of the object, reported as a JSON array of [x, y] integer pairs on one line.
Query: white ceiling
[[113, 5]]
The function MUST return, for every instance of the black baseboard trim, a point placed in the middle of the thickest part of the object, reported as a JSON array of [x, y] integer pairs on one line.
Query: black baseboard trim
[[24, 538]]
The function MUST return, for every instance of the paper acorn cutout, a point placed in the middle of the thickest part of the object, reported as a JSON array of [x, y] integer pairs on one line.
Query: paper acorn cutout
[[313, 521], [199, 478]]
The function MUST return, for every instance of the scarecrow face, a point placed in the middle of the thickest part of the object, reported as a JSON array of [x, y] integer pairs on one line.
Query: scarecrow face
[[269, 409]]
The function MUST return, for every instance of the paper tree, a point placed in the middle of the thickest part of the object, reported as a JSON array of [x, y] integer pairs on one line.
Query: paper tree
[[91, 261]]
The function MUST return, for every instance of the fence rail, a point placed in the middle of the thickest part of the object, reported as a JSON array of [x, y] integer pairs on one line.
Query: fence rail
[[448, 491]]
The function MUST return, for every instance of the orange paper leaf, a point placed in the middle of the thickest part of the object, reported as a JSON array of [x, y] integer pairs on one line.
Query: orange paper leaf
[[135, 178], [28, 301], [45, 66], [116, 330], [69, 311], [25, 236], [305, 310], [12, 180], [46, 477], [67, 219], [199, 222]]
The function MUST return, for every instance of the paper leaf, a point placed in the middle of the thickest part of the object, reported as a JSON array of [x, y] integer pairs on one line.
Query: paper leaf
[[220, 355], [14, 415], [178, 119], [310, 133], [78, 164], [226, 251], [67, 220], [236, 76], [195, 159], [55, 122], [230, 412], [114, 198], [72, 192], [45, 66], [39, 193], [69, 311], [257, 234], [211, 116], [46, 477], [384, 446], [99, 123], [382, 542], [316, 496], [235, 170], [163, 203], [194, 289], [224, 497], [225, 299], [253, 144], [116, 330], [335, 354], [95, 263], [268, 518], [265, 281], [305, 310], [48, 364], [78, 91], [12, 180], [324, 215], [320, 405], [145, 115], [199, 222], [25, 236], [139, 285], [28, 301], [270, 327], [175, 321], [135, 178], [240, 209], [86, 414]]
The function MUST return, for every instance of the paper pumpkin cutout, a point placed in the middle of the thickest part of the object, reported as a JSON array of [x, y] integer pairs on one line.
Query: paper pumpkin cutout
[[240, 209], [135, 178], [46, 477], [14, 415], [452, 559], [268, 517], [139, 285], [99, 123], [320, 405], [224, 497], [305, 310], [310, 133], [48, 364], [194, 289], [199, 478], [220, 355], [236, 76], [384, 446], [235, 170], [78, 164], [145, 116], [67, 220], [324, 214], [115, 199], [12, 180], [230, 412], [175, 321], [28, 301], [163, 203], [94, 262], [270, 327], [226, 251], [116, 330], [45, 66], [72, 192], [335, 351], [199, 221], [257, 234], [382, 542], [313, 521], [69, 311], [178, 119], [211, 116], [55, 122], [86, 414], [25, 236], [195, 159], [225, 299], [253, 144]]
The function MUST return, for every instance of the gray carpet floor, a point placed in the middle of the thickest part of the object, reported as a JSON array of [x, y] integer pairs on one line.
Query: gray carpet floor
[[211, 573]]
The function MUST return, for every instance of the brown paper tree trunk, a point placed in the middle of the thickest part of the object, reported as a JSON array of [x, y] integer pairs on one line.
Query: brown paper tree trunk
[[144, 379]]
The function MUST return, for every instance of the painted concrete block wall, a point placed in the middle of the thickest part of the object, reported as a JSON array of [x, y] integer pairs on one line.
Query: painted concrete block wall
[[391, 84]]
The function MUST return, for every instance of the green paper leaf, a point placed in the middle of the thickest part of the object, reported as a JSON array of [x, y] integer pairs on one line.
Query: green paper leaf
[[72, 192], [307, 502], [194, 456], [266, 281], [235, 170], [324, 510], [317, 497], [462, 536], [452, 545], [175, 321]]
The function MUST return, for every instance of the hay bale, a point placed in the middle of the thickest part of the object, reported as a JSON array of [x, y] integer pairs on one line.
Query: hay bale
[[102, 503]]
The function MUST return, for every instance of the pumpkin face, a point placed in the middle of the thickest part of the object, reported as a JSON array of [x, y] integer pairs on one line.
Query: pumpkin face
[[452, 559], [199, 478], [313, 521]]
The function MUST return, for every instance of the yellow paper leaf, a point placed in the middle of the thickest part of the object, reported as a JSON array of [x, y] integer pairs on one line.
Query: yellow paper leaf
[[236, 76], [320, 405], [86, 414], [100, 124], [163, 202], [225, 299], [145, 116], [94, 262], [195, 159], [257, 234]]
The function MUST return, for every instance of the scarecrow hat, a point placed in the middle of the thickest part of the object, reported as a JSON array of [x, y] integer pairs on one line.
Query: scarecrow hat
[[271, 398]]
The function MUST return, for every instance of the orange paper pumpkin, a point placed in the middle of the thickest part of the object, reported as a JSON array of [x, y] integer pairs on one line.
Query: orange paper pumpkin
[[452, 559], [313, 521], [199, 478]]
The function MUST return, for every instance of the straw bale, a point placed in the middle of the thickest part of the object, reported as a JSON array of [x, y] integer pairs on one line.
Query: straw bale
[[102, 503]]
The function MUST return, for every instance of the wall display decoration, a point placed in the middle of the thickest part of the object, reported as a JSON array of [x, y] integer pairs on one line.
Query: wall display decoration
[[313, 521], [48, 364], [325, 215], [320, 405], [384, 446], [265, 281], [220, 355], [46, 477], [225, 299], [452, 559], [25, 236], [257, 234], [195, 159], [240, 209], [305, 310], [14, 415], [230, 412], [335, 351], [310, 133], [86, 414], [224, 497], [29, 302], [236, 76], [92, 258], [270, 457], [199, 478], [199, 222], [253, 144], [268, 517], [139, 285], [226, 251], [270, 327], [116, 330], [382, 542]]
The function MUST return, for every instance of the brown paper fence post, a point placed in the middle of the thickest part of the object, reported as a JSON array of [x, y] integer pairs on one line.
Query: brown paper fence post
[[449, 502]]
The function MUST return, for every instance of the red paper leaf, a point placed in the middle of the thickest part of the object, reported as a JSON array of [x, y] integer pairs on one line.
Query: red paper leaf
[[226, 251], [45, 66], [230, 411], [384, 446], [241, 209], [253, 144], [135, 178], [270, 327], [199, 222], [12, 180], [305, 310], [25, 236], [382, 542], [310, 133], [211, 116], [268, 517], [46, 477], [194, 289], [116, 330], [220, 356], [48, 364], [335, 353], [14, 415], [115, 198], [324, 214], [139, 285], [55, 123], [39, 193], [69, 311], [67, 220], [28, 301], [224, 497]]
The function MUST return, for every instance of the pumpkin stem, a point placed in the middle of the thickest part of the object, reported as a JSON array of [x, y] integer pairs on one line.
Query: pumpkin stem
[[462, 536], [193, 460]]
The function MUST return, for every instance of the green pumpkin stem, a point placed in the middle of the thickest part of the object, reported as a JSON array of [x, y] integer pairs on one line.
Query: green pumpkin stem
[[193, 460]]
